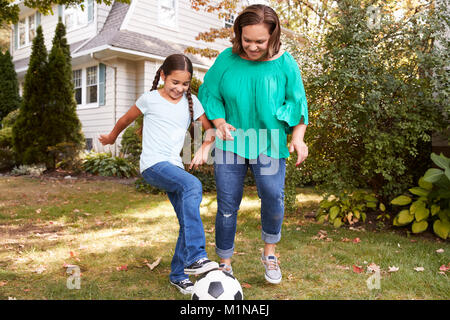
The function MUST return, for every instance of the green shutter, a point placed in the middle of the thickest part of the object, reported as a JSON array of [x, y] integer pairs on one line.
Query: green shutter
[[16, 36], [90, 10], [102, 85], [38, 19]]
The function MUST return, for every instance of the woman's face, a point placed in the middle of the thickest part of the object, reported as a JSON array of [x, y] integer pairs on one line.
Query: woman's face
[[255, 40], [176, 83]]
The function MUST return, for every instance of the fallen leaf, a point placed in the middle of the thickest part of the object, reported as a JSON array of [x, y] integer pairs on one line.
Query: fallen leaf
[[3, 283], [357, 269], [356, 240], [40, 269], [76, 210], [38, 210], [154, 264], [246, 285], [342, 267], [393, 269], [444, 267], [122, 268], [419, 269], [373, 268], [346, 240], [440, 250]]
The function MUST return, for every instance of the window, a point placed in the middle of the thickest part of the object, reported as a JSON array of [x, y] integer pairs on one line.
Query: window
[[77, 83], [168, 13], [91, 85], [31, 27], [86, 86], [228, 22], [76, 17], [27, 30]]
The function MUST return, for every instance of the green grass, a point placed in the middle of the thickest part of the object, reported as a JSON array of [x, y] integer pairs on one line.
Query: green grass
[[103, 225]]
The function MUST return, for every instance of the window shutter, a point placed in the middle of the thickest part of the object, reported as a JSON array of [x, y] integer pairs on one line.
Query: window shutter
[[16, 36], [102, 84], [90, 10], [60, 11], [38, 19]]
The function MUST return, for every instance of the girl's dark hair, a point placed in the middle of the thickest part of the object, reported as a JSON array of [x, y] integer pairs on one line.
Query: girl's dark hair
[[256, 14], [172, 63]]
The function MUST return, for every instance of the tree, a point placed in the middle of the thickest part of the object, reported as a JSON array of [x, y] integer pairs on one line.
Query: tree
[[9, 9], [371, 93], [60, 121], [9, 87], [29, 142]]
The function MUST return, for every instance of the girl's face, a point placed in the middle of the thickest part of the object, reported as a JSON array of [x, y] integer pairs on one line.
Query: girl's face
[[255, 40], [176, 84]]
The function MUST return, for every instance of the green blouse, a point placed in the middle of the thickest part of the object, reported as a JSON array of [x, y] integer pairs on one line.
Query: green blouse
[[263, 100]]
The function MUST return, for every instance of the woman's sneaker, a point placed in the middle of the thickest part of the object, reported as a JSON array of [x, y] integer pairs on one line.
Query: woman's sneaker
[[185, 286], [226, 268], [201, 266], [273, 271]]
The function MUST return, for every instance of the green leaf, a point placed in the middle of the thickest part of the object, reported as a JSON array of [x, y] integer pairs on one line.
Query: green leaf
[[382, 207], [371, 205], [433, 175], [441, 161], [424, 184], [419, 191], [418, 227], [401, 201], [421, 213], [404, 217], [337, 223], [441, 228], [435, 209], [370, 198], [334, 211]]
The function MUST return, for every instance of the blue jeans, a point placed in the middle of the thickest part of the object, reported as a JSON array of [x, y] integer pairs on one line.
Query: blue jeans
[[185, 194], [230, 171]]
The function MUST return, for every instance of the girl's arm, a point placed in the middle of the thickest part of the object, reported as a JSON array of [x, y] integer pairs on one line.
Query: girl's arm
[[201, 156], [123, 122], [298, 144]]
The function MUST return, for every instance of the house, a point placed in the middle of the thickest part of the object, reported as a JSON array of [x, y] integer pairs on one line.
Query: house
[[116, 50]]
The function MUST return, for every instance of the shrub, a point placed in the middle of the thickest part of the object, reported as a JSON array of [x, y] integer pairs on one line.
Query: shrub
[[347, 207], [429, 202], [104, 164], [32, 170]]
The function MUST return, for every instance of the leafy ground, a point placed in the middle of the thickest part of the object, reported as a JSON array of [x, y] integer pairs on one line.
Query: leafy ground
[[116, 236]]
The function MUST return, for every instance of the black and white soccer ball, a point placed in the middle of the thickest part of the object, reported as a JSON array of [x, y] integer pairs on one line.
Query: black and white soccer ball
[[217, 285]]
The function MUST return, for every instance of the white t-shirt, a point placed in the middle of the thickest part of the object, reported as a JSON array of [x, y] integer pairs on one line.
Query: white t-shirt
[[165, 126]]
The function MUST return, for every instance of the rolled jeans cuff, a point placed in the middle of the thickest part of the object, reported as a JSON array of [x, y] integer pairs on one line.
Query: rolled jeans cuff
[[270, 238], [225, 254]]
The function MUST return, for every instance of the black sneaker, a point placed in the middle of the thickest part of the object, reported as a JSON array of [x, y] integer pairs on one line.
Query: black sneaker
[[201, 266], [185, 286]]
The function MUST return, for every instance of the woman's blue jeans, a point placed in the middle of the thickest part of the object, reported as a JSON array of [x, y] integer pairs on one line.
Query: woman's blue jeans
[[185, 194], [230, 171]]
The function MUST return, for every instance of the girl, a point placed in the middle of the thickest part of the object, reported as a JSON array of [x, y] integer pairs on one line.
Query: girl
[[254, 95], [167, 115]]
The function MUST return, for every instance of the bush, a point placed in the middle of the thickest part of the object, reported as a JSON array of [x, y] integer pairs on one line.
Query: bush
[[7, 155], [104, 164], [429, 202], [32, 170]]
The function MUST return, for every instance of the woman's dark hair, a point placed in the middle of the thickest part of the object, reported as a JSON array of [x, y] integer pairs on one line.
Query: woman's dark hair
[[172, 63], [256, 14]]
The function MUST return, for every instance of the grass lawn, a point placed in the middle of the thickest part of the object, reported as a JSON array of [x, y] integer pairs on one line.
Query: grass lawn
[[114, 235]]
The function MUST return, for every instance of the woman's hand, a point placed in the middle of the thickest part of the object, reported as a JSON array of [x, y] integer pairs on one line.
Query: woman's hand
[[301, 148], [106, 139], [223, 131], [201, 156]]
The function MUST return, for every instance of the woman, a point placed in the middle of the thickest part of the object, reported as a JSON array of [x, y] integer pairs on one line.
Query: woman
[[254, 95]]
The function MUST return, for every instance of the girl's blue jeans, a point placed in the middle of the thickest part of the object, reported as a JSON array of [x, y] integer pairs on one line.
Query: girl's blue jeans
[[185, 194], [230, 171]]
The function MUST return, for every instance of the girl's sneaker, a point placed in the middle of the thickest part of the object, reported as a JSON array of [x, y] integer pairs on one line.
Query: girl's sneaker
[[185, 286], [273, 271], [201, 266], [226, 268]]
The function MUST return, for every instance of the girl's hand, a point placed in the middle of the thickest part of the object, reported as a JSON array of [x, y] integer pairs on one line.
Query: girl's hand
[[106, 139], [301, 148], [223, 131], [200, 157]]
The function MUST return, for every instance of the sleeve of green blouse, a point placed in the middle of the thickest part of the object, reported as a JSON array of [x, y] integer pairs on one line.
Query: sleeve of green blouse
[[295, 106], [209, 92]]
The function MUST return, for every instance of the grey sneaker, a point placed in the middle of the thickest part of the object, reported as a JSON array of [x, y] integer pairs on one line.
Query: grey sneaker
[[185, 286], [226, 268], [273, 271]]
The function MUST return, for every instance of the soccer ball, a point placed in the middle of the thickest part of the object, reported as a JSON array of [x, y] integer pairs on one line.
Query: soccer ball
[[217, 285]]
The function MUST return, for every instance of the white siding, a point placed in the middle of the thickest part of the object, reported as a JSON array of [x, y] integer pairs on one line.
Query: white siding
[[144, 19]]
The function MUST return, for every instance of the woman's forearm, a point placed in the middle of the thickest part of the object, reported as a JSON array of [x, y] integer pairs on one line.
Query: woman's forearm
[[299, 132]]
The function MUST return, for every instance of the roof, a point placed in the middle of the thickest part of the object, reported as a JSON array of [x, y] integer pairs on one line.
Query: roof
[[112, 35]]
